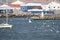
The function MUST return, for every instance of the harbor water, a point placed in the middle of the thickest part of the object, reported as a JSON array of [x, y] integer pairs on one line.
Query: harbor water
[[35, 30]]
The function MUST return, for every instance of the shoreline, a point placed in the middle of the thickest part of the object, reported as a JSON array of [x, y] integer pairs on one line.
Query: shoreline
[[35, 17]]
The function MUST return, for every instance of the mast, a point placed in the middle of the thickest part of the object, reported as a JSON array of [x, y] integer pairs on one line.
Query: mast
[[6, 13], [6, 16]]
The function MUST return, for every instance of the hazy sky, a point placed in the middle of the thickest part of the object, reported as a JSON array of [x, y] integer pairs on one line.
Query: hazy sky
[[22, 0], [27, 0]]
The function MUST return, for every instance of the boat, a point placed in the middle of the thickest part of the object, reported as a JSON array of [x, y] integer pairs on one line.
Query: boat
[[30, 21], [35, 18], [5, 25]]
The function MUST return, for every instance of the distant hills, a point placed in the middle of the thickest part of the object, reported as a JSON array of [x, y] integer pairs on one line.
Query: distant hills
[[41, 1]]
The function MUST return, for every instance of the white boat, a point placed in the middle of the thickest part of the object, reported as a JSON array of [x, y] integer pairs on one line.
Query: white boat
[[35, 18], [6, 25], [30, 21]]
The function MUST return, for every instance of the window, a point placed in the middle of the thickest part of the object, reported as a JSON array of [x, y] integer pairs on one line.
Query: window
[[48, 7], [54, 7]]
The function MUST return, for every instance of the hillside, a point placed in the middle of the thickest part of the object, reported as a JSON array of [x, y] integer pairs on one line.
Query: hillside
[[41, 1]]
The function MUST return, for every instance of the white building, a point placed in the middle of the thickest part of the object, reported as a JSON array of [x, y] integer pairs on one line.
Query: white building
[[53, 6], [36, 7], [5, 8]]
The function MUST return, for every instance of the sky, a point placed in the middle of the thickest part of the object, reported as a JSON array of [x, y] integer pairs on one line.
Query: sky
[[29, 0], [25, 0]]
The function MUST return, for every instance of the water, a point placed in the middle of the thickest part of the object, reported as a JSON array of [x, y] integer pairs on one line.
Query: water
[[36, 30]]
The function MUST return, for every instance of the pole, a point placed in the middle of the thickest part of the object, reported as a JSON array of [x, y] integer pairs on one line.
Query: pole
[[6, 13], [6, 16]]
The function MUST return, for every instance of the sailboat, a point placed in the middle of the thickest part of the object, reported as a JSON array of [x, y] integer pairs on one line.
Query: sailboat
[[6, 25]]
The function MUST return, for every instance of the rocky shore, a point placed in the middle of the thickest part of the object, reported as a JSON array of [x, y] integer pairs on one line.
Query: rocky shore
[[35, 17]]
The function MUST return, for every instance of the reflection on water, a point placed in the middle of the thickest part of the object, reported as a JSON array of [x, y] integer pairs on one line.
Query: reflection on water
[[37, 30]]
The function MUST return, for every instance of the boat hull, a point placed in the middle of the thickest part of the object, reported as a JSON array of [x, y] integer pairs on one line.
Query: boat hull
[[5, 26]]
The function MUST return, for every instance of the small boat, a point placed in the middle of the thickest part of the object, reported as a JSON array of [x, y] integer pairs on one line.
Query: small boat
[[5, 25], [35, 18], [30, 21]]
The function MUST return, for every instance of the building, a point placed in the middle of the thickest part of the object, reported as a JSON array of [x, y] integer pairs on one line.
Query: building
[[28, 6], [16, 4], [6, 9], [54, 6], [39, 8]]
